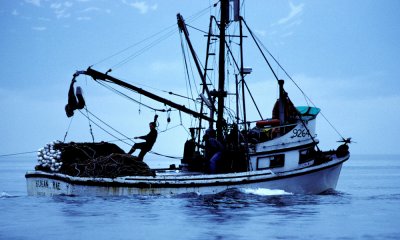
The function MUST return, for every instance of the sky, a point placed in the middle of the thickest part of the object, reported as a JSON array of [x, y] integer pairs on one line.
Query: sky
[[343, 54]]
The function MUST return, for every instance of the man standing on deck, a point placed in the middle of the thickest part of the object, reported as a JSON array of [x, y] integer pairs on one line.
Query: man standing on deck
[[213, 151], [145, 146]]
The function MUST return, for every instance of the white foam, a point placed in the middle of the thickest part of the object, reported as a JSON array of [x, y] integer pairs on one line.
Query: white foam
[[4, 195], [265, 191]]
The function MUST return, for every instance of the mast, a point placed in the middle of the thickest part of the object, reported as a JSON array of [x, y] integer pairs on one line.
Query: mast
[[243, 94], [221, 80], [242, 74]]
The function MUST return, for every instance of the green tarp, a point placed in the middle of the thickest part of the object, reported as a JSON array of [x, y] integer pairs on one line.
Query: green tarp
[[308, 111]]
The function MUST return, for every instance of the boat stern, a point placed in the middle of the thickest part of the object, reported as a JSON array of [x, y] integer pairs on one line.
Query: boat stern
[[41, 185]]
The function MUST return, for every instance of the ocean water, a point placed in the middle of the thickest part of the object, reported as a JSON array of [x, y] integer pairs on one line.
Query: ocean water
[[365, 205]]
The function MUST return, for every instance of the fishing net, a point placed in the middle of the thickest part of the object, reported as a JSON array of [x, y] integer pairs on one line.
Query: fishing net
[[90, 160]]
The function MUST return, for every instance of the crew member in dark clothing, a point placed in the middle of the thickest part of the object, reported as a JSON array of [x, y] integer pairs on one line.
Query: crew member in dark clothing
[[213, 150], [145, 146]]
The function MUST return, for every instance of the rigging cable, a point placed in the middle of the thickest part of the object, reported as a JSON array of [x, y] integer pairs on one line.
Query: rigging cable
[[132, 56], [126, 138], [304, 94], [150, 87], [286, 73], [212, 83], [170, 30], [276, 77], [193, 78], [144, 49], [87, 116], [111, 127], [167, 129], [178, 95], [69, 125], [238, 68], [197, 29], [128, 97], [90, 126], [133, 45], [259, 48], [163, 155], [186, 66], [15, 154]]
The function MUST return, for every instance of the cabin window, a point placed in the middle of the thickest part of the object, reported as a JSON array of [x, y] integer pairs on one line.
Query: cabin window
[[271, 161], [278, 161], [306, 155]]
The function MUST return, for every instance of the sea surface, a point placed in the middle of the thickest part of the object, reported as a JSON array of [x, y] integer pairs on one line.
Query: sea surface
[[365, 205]]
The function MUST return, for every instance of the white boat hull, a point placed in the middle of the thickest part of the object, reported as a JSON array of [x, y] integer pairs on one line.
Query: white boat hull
[[309, 180]]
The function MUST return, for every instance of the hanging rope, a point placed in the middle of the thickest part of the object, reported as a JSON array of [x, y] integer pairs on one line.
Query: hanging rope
[[119, 139], [110, 127], [87, 116], [90, 126], [163, 155], [69, 125]]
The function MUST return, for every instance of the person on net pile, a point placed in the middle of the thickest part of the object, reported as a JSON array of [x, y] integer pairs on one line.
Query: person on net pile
[[148, 144]]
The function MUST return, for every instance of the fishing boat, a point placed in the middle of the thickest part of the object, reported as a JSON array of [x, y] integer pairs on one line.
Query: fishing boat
[[225, 149]]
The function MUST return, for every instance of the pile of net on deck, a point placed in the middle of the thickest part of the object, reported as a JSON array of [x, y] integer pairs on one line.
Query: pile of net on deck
[[90, 160]]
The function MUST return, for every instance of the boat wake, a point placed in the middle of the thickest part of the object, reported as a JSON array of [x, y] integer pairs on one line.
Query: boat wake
[[264, 191], [5, 195]]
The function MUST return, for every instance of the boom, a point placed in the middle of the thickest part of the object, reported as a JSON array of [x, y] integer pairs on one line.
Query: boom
[[98, 76]]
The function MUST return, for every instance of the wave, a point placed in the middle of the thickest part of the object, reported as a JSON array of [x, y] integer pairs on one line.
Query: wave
[[264, 191], [5, 195]]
